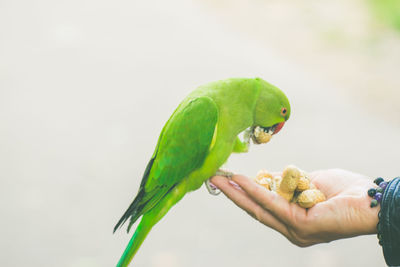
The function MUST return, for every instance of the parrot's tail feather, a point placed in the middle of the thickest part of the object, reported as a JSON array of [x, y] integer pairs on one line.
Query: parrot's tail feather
[[134, 210], [134, 244], [142, 203], [149, 219]]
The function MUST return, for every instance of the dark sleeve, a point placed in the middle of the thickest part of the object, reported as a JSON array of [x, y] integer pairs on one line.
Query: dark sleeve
[[389, 223]]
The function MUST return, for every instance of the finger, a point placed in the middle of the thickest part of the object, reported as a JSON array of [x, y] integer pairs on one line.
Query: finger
[[242, 200], [271, 201]]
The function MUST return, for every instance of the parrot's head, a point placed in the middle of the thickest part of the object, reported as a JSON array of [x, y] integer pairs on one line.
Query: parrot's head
[[271, 112]]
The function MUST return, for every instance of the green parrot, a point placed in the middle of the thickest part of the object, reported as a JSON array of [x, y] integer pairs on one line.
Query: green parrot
[[196, 140]]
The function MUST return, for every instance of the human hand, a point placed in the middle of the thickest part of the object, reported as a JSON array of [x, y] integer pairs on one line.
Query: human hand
[[345, 213]]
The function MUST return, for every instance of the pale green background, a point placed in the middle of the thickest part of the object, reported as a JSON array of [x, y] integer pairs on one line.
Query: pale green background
[[86, 86]]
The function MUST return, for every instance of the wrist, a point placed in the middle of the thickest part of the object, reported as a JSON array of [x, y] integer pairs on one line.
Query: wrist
[[372, 217]]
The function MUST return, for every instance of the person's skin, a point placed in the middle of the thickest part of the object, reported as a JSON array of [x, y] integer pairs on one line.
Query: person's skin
[[345, 213]]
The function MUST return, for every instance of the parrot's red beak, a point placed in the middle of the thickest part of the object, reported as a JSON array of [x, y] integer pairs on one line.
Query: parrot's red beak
[[279, 127]]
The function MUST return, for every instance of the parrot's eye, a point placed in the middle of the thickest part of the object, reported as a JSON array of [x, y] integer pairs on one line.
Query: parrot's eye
[[283, 111]]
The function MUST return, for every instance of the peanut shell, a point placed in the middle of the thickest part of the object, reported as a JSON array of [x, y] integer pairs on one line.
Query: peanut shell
[[303, 184], [310, 197], [260, 137]]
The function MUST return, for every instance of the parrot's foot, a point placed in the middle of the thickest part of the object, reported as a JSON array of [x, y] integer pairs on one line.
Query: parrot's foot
[[212, 189], [248, 134], [224, 173]]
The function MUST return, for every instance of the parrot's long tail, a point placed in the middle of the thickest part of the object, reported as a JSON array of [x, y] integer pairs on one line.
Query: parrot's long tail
[[148, 220], [134, 244]]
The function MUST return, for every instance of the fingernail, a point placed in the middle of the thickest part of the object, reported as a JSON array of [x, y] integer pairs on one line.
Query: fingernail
[[213, 186], [235, 185]]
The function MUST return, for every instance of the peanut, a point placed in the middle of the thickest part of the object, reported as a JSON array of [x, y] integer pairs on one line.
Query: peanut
[[260, 137], [310, 197], [293, 180], [290, 179]]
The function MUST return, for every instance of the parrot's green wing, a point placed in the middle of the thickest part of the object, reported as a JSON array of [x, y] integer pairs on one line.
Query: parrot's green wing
[[182, 148]]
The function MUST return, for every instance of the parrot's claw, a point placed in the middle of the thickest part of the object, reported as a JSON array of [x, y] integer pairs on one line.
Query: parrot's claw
[[224, 173], [248, 133], [212, 189]]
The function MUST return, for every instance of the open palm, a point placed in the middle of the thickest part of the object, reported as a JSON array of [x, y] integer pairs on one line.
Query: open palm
[[345, 213]]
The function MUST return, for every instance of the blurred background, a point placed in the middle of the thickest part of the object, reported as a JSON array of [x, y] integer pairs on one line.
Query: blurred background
[[86, 86]]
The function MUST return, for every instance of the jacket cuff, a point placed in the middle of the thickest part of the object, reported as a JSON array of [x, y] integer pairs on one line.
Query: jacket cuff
[[389, 223]]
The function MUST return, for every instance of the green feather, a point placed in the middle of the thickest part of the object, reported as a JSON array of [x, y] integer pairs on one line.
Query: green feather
[[137, 239]]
